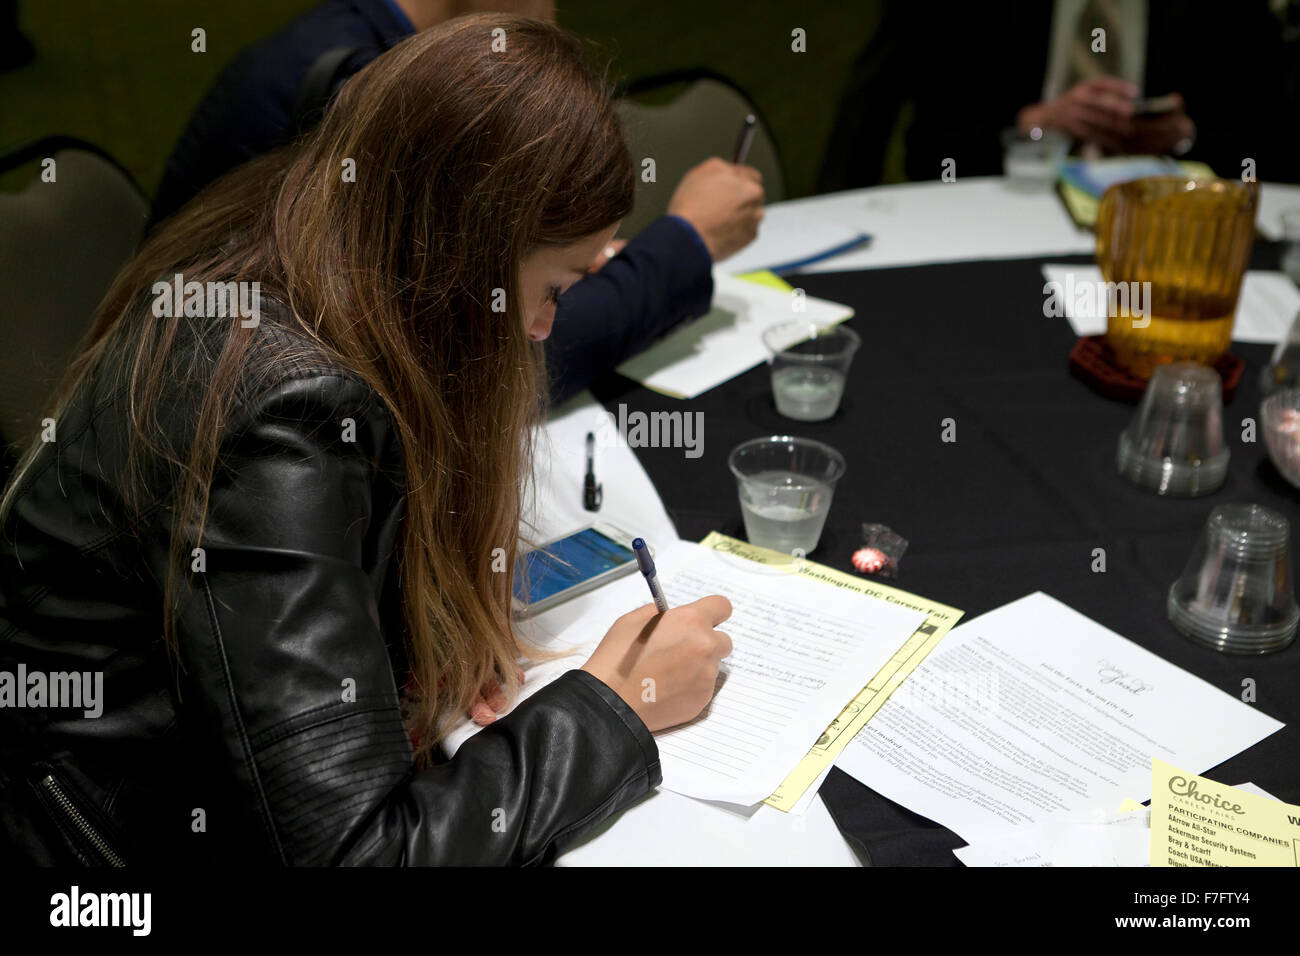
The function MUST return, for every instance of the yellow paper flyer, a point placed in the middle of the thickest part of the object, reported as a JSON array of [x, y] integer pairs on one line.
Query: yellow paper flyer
[[939, 621], [1197, 822]]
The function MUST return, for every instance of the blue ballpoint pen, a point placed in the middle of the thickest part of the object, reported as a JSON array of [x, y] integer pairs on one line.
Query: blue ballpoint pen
[[647, 566]]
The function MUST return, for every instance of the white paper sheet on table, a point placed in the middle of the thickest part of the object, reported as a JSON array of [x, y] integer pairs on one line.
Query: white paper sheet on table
[[1032, 710], [1099, 839], [976, 217], [1268, 305], [668, 829], [1274, 199], [1111, 839], [800, 652], [718, 346], [787, 236], [630, 500]]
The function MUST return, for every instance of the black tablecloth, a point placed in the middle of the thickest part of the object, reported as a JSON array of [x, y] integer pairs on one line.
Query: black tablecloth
[[1017, 504]]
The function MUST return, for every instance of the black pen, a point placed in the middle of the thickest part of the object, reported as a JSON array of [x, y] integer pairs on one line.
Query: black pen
[[746, 138], [592, 493]]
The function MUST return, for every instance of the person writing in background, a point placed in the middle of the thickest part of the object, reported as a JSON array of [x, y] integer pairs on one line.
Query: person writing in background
[[260, 531], [659, 278]]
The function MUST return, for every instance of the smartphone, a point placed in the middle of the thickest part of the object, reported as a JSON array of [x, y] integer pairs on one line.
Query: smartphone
[[1155, 105], [570, 566]]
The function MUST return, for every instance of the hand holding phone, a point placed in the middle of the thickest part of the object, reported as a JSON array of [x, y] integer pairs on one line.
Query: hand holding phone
[[1161, 126], [1157, 105]]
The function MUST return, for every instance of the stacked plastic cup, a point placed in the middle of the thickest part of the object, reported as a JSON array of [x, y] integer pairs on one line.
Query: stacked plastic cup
[[1236, 593], [1175, 444]]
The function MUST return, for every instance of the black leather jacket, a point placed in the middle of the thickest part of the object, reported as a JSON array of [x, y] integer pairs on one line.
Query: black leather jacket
[[249, 751]]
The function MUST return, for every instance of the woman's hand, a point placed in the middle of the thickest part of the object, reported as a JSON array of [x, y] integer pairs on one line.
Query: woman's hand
[[490, 702], [665, 666]]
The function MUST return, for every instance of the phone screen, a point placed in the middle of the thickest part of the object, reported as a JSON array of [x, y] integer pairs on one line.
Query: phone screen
[[567, 562]]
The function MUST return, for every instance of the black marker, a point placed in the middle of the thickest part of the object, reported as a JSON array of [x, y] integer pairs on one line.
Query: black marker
[[592, 493]]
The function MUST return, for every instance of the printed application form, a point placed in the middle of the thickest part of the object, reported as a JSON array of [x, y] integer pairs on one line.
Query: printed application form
[[800, 652], [1032, 710], [800, 787]]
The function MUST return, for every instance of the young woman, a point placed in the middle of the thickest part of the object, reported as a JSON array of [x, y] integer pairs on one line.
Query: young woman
[[271, 534]]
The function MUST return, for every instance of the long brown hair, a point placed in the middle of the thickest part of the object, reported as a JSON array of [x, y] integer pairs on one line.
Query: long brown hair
[[472, 143]]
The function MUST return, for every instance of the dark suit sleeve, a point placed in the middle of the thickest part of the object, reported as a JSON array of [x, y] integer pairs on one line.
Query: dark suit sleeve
[[241, 117], [661, 277], [290, 688]]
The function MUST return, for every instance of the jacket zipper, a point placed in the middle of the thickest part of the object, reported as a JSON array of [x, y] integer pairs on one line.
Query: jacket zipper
[[82, 825]]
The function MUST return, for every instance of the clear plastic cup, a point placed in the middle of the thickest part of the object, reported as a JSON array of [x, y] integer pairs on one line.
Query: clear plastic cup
[[785, 486], [810, 364], [1032, 160], [1175, 444], [1236, 593]]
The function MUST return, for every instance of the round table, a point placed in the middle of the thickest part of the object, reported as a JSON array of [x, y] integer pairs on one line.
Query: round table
[[1017, 503]]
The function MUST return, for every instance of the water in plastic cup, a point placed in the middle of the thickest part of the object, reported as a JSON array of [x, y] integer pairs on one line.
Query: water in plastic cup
[[1032, 160], [785, 486], [810, 364], [807, 394]]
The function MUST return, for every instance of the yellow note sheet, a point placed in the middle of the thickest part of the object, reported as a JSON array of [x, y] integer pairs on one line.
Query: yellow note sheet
[[1197, 822]]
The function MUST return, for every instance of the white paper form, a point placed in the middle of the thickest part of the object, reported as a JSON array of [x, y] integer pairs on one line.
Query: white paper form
[[787, 236], [1267, 306], [728, 340], [800, 653], [1116, 839], [1033, 710]]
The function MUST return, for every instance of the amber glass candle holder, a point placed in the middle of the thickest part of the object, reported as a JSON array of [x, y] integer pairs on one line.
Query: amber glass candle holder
[[1190, 239]]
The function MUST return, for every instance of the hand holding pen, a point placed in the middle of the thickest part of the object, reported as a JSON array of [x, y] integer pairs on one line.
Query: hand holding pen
[[664, 664], [647, 565], [723, 201]]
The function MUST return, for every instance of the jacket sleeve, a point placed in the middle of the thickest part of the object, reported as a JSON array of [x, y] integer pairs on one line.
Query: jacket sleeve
[[661, 277], [288, 680]]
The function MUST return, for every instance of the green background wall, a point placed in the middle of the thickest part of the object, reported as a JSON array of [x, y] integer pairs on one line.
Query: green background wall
[[120, 72]]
